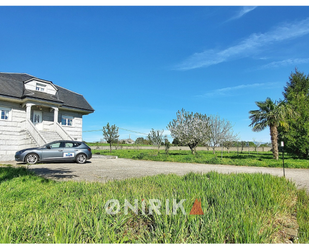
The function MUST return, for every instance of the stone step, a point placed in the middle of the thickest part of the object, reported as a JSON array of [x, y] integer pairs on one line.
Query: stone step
[[51, 136]]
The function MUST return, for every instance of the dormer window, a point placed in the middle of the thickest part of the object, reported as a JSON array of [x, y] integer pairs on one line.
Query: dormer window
[[40, 87]]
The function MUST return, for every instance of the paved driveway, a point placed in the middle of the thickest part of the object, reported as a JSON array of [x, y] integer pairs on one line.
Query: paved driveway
[[102, 170]]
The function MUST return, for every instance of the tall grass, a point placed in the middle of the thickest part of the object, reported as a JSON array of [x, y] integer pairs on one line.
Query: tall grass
[[260, 159], [238, 208], [303, 216]]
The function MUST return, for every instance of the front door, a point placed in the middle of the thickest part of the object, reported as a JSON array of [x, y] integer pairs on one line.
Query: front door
[[37, 119]]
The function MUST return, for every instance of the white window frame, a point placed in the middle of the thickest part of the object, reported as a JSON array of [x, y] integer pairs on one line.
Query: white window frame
[[67, 118], [40, 87], [9, 110]]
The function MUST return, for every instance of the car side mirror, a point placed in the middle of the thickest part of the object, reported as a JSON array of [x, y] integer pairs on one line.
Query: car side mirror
[[48, 146]]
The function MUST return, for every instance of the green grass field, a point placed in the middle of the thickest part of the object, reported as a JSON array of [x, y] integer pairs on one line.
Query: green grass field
[[261, 159], [124, 145], [238, 208]]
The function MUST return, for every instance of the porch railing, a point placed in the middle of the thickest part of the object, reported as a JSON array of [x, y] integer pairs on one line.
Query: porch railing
[[37, 136], [62, 133]]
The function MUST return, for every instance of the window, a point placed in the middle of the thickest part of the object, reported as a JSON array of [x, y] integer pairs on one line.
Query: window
[[67, 120], [4, 113], [40, 87], [70, 144], [55, 145]]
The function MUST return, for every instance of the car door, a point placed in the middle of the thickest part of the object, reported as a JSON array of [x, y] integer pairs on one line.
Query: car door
[[69, 151], [53, 151]]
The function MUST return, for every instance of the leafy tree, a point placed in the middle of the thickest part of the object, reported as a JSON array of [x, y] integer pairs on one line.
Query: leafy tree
[[140, 140], [167, 145], [251, 144], [176, 142], [242, 144], [266, 145], [156, 138], [228, 145], [190, 128], [221, 131], [110, 134], [298, 85], [270, 114], [296, 94]]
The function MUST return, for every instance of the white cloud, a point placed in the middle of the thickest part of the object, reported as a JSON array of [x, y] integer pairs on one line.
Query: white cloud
[[276, 64], [231, 90], [247, 47], [242, 12]]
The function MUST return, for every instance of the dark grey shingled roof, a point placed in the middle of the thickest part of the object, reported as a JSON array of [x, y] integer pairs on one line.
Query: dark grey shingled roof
[[41, 95], [12, 85]]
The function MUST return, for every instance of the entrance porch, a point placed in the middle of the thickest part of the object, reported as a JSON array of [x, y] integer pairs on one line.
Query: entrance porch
[[42, 123]]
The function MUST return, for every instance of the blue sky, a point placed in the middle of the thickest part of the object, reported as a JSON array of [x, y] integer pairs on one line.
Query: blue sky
[[137, 66]]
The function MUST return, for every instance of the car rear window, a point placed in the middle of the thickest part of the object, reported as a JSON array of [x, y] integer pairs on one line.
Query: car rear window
[[71, 144]]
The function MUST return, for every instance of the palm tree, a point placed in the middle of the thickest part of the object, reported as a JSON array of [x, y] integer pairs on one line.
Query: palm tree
[[270, 114]]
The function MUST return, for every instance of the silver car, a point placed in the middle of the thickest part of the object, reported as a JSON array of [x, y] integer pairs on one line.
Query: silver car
[[63, 150]]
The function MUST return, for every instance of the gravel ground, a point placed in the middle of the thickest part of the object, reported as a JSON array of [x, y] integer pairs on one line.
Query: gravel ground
[[103, 169]]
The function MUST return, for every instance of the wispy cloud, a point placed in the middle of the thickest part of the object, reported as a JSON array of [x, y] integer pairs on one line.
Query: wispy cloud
[[283, 63], [232, 90], [247, 47], [242, 12]]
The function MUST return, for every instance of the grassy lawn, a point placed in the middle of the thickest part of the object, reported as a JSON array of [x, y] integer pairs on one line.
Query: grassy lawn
[[124, 145], [238, 208], [261, 159]]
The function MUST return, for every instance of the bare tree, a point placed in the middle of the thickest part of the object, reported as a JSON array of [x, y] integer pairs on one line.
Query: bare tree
[[221, 131], [156, 138], [190, 128], [110, 134], [256, 144]]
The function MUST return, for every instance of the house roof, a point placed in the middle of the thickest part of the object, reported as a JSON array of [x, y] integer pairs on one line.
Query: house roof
[[12, 85]]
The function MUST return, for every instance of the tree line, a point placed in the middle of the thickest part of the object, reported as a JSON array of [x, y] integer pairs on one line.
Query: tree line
[[287, 119], [189, 129]]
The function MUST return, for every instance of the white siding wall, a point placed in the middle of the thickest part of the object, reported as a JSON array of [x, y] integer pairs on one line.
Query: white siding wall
[[32, 86], [13, 136], [75, 131]]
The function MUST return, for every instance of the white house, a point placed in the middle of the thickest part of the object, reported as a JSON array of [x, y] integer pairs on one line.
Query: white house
[[35, 111]]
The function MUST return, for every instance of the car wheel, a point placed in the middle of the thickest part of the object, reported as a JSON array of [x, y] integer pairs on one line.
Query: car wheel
[[81, 158], [32, 158]]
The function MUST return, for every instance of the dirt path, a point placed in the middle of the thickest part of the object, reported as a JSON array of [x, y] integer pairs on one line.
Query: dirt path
[[102, 170]]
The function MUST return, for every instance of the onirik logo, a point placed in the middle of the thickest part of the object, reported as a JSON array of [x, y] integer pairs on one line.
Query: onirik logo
[[152, 206]]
